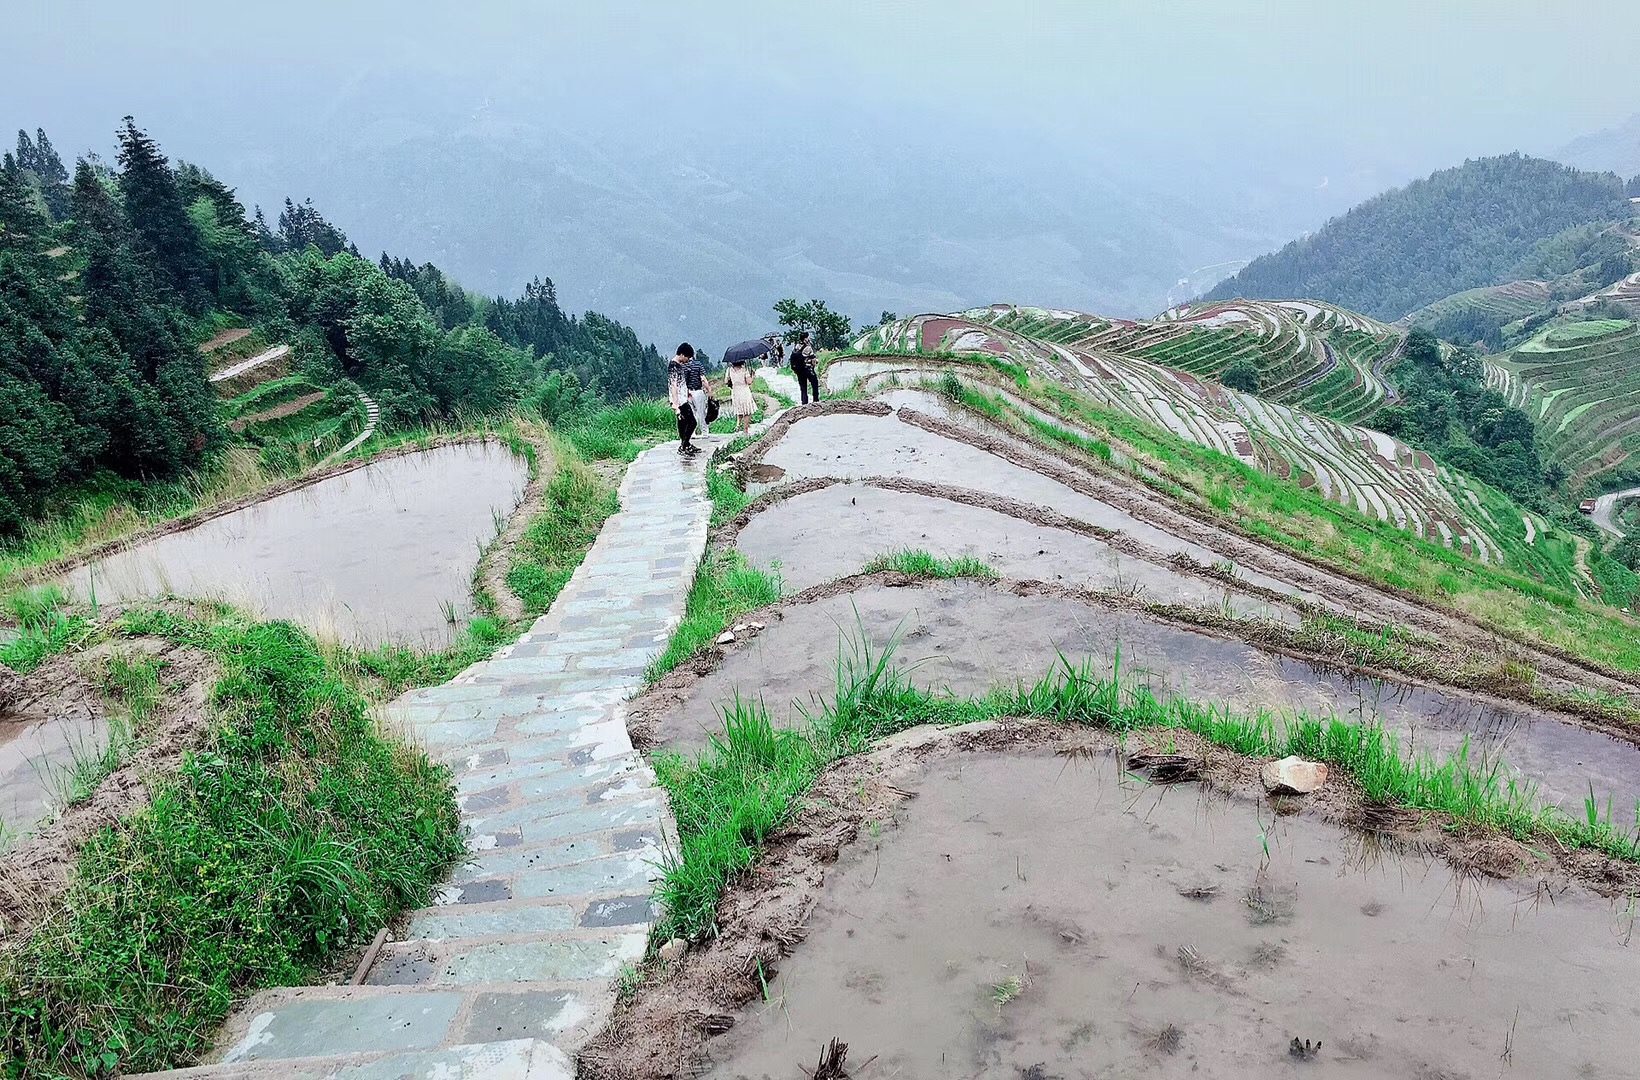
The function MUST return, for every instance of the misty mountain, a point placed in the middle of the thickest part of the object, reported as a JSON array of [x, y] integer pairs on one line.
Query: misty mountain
[[1459, 228], [1616, 149], [692, 225]]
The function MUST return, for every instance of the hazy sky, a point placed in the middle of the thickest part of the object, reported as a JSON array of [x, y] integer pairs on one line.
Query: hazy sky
[[1228, 127], [1407, 83]]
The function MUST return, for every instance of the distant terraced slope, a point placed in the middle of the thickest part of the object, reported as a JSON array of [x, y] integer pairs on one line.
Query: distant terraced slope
[[1580, 383], [1506, 302], [1308, 354], [1115, 363]]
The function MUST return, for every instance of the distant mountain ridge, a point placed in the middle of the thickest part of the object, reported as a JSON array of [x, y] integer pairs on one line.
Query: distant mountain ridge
[[1460, 228], [1616, 148]]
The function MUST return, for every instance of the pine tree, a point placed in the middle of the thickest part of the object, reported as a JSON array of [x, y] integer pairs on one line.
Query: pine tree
[[25, 151], [159, 219], [265, 236], [52, 175]]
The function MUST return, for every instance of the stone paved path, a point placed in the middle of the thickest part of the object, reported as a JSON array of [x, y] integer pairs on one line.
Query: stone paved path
[[516, 964], [372, 414]]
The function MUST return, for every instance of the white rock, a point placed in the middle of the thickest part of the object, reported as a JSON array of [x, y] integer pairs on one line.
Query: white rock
[[1293, 776], [726, 637], [755, 625], [673, 950], [739, 628]]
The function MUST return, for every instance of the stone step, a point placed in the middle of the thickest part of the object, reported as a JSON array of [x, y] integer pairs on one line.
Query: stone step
[[513, 1059], [463, 963]]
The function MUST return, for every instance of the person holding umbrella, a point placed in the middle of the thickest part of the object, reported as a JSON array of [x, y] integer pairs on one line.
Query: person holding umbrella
[[740, 378]]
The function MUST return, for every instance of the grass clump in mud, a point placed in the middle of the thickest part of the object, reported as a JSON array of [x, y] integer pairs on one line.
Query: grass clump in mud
[[132, 683], [296, 831], [43, 628], [726, 585], [922, 564], [752, 777]]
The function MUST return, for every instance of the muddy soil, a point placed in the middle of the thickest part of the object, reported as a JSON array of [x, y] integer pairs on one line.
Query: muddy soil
[[61, 710], [841, 374], [369, 555], [278, 412], [1037, 916], [966, 637], [829, 534], [853, 446]]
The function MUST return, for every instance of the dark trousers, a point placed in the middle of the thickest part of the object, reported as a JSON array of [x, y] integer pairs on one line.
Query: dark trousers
[[806, 378], [686, 423]]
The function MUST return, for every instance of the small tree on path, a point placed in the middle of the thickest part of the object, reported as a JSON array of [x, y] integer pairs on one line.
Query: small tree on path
[[831, 329]]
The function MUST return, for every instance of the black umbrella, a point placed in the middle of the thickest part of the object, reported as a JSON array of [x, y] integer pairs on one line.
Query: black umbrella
[[746, 350]]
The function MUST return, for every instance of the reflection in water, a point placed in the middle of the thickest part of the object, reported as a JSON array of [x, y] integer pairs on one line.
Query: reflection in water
[[382, 553], [1566, 762]]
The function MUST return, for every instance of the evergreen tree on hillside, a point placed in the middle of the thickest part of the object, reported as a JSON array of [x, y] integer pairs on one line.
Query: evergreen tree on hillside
[[154, 403], [243, 274], [159, 218], [39, 158], [301, 226]]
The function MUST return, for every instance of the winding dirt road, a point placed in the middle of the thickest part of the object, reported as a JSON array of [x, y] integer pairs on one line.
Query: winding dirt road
[[1606, 505]]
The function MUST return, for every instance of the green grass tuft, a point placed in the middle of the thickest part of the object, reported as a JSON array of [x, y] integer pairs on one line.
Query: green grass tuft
[[726, 585], [920, 563], [578, 503]]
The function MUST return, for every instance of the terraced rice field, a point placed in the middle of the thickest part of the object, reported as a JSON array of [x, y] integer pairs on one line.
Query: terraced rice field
[[1116, 364], [1581, 383], [1511, 300], [905, 849], [1312, 355]]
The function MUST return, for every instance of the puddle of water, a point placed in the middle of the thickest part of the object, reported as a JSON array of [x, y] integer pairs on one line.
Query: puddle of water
[[965, 638], [1029, 916], [852, 446], [837, 529], [372, 555], [841, 374], [32, 754]]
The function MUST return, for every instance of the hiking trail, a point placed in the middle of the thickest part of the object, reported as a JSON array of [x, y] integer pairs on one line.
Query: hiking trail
[[516, 962]]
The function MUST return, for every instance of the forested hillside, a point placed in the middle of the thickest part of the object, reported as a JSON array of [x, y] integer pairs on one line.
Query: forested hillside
[[1458, 229], [111, 278]]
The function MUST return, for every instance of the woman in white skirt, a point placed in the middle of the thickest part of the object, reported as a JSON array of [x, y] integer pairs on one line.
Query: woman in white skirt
[[740, 393]]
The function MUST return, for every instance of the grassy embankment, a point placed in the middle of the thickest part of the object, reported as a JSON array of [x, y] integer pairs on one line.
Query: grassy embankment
[[753, 777], [285, 840]]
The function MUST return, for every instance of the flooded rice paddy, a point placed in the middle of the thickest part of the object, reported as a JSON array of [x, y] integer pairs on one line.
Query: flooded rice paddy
[[382, 553], [964, 637], [854, 446], [839, 528], [1040, 917]]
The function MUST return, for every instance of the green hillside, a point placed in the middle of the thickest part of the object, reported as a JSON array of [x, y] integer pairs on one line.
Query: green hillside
[[1458, 229], [149, 325]]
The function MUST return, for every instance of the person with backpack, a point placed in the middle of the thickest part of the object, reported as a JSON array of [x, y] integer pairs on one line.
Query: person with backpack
[[803, 367], [686, 390]]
